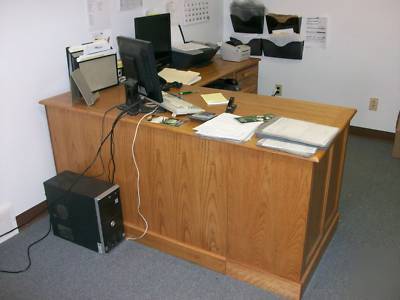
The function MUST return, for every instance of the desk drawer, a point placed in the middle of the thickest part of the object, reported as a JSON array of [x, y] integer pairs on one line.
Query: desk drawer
[[248, 79], [251, 72]]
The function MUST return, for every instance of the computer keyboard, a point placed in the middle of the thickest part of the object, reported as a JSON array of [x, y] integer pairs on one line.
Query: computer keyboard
[[178, 106]]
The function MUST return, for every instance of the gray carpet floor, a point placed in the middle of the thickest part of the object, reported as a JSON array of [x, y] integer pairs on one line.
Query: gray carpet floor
[[361, 262]]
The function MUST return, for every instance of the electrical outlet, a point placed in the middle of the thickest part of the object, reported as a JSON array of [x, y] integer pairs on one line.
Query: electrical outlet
[[278, 89], [373, 104]]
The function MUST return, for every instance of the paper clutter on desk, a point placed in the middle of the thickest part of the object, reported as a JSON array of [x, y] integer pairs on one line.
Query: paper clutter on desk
[[215, 99], [184, 77], [225, 127]]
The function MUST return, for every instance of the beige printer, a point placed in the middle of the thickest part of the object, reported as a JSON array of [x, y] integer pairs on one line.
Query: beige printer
[[235, 53]]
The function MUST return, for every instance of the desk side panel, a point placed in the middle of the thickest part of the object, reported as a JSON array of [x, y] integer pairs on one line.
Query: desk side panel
[[337, 162], [181, 185], [267, 211], [182, 194], [75, 139]]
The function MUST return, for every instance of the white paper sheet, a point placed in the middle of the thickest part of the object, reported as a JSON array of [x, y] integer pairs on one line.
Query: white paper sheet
[[316, 32]]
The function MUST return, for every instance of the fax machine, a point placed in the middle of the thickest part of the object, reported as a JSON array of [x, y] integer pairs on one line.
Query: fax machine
[[235, 53]]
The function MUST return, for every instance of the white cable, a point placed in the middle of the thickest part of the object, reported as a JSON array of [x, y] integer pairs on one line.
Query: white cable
[[138, 178]]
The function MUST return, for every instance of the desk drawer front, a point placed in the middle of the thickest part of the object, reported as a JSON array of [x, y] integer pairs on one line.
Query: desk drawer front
[[251, 72], [248, 79]]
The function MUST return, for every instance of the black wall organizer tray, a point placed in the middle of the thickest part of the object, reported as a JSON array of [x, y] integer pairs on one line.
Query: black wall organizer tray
[[254, 44], [247, 17], [253, 25], [277, 22], [292, 50]]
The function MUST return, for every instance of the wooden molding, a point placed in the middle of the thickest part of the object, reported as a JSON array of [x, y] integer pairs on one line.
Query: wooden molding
[[264, 280], [371, 133], [196, 255], [32, 214]]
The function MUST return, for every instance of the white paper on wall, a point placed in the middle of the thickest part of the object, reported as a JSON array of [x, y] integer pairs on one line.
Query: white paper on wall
[[196, 11], [125, 5], [99, 14], [316, 32], [187, 12]]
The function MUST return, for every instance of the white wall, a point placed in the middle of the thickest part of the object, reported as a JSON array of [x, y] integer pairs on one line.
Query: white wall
[[34, 35], [362, 59]]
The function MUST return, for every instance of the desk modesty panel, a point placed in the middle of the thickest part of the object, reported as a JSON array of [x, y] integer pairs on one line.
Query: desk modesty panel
[[255, 214]]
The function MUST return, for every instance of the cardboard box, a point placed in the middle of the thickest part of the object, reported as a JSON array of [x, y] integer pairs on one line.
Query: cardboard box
[[396, 147]]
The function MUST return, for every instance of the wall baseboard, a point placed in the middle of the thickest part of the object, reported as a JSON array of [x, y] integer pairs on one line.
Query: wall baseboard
[[372, 133], [38, 210]]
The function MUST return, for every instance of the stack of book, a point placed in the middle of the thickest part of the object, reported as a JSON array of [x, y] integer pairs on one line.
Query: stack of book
[[295, 136]]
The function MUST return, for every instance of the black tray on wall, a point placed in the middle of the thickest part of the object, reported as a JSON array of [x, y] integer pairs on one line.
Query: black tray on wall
[[277, 22], [292, 50], [254, 44], [253, 25]]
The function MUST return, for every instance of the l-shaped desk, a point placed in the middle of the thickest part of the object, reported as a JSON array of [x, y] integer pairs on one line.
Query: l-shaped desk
[[261, 216]]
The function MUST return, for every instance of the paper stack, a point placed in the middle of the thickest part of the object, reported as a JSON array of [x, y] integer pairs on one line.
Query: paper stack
[[303, 132], [295, 136], [184, 77], [225, 127], [215, 99], [289, 147]]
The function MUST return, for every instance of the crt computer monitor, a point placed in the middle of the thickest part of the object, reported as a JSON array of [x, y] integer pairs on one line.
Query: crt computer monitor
[[157, 30], [139, 64]]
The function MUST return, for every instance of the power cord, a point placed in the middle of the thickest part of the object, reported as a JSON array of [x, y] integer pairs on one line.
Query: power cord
[[101, 138], [26, 223], [120, 115], [138, 179], [29, 254]]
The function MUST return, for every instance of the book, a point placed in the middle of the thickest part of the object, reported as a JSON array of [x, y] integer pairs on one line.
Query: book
[[289, 147], [303, 132]]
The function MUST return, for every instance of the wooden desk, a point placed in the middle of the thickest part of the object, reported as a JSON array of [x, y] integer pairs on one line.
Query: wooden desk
[[245, 72], [255, 214]]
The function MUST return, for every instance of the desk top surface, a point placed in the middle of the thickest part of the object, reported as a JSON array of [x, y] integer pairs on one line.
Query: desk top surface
[[248, 104]]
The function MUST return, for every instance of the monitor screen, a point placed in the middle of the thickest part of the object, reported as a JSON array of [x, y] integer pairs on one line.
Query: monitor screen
[[139, 64], [157, 30]]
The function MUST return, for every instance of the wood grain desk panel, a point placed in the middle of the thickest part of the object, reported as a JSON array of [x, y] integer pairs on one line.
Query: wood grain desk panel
[[258, 215]]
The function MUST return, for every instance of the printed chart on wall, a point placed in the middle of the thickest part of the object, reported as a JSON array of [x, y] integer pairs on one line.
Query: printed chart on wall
[[187, 12], [196, 11], [316, 32]]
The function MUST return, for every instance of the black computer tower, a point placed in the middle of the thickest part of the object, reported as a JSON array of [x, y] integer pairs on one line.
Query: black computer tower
[[85, 210]]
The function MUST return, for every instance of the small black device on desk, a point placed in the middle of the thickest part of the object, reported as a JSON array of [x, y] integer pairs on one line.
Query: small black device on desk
[[230, 108]]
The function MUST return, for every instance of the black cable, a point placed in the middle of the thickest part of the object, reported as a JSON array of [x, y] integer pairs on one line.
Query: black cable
[[101, 138], [112, 147], [27, 222], [29, 254], [120, 115]]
